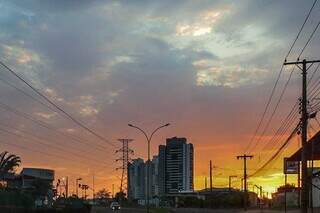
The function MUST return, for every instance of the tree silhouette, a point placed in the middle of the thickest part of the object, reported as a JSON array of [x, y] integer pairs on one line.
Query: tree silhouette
[[102, 194], [8, 163]]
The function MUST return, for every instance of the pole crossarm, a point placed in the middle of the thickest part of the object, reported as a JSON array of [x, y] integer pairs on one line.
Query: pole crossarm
[[301, 62], [297, 63]]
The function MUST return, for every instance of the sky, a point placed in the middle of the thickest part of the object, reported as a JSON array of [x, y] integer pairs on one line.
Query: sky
[[207, 67]]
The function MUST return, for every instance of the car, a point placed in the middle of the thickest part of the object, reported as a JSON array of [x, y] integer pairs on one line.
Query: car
[[115, 206]]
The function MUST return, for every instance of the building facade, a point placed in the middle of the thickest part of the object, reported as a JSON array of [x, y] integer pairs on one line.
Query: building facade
[[171, 171], [178, 165], [136, 179], [162, 171], [30, 178]]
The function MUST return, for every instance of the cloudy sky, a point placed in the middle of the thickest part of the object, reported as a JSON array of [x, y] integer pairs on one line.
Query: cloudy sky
[[207, 67]]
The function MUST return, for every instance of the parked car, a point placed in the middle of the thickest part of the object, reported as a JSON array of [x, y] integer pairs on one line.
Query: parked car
[[115, 206]]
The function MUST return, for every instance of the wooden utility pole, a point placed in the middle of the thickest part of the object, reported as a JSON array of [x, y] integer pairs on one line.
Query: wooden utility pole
[[304, 126], [112, 190], [67, 187], [210, 176], [285, 192], [245, 176], [205, 183]]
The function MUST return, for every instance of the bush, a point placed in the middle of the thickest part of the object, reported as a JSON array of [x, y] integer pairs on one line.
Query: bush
[[16, 198]]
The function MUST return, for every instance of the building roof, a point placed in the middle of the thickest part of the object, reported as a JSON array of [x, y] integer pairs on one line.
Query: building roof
[[313, 143], [46, 174]]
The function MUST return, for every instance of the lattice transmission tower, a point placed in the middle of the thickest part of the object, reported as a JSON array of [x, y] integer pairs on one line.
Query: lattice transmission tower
[[125, 158]]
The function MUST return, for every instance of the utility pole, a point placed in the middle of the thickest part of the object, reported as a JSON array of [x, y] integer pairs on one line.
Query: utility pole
[[241, 184], [205, 183], [67, 187], [230, 180], [245, 176], [77, 185], [285, 192], [210, 168], [93, 189], [304, 126], [125, 159], [112, 190]]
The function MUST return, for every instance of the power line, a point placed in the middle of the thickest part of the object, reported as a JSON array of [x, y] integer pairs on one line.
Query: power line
[[27, 94], [277, 152], [278, 77], [312, 34], [56, 106], [46, 154], [286, 124], [35, 136], [273, 112], [282, 130], [313, 73], [38, 101], [40, 141], [301, 28], [40, 123]]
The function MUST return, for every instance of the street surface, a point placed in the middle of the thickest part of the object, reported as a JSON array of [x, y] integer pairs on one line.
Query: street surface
[[190, 210]]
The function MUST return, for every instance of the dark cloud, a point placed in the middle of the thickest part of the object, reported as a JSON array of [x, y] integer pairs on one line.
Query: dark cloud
[[113, 62], [57, 6]]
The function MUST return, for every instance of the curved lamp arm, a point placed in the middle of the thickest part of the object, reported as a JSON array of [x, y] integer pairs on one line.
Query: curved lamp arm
[[144, 133], [160, 127]]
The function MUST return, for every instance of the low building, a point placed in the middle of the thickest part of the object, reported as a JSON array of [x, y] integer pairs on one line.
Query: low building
[[288, 195], [37, 181]]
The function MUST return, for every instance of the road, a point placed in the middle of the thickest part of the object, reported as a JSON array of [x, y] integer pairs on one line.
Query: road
[[123, 210], [128, 210]]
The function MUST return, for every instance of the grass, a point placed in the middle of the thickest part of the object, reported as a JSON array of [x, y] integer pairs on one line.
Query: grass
[[160, 210]]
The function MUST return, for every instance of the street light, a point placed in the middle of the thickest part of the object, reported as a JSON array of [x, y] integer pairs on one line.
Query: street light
[[230, 179], [77, 186], [148, 138]]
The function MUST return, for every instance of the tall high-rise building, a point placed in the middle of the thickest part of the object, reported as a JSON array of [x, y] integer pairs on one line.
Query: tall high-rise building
[[162, 170], [170, 172], [178, 165], [136, 179], [154, 177]]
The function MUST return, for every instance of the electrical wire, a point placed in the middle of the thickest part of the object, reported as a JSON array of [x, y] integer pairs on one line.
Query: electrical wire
[[278, 78], [56, 106]]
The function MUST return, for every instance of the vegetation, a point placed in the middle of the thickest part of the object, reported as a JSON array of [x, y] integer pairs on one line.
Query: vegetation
[[15, 198], [41, 188], [160, 210], [288, 187], [120, 197], [8, 163], [102, 194], [215, 201], [102, 197]]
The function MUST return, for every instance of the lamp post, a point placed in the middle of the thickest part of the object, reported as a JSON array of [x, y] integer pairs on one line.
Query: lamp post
[[148, 138], [77, 186], [66, 186], [230, 180]]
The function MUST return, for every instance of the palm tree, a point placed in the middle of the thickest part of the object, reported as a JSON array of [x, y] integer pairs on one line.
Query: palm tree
[[8, 163]]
